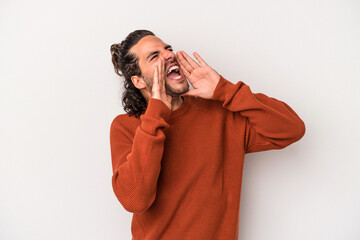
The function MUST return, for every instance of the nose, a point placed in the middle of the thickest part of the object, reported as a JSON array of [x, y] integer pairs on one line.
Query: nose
[[168, 55]]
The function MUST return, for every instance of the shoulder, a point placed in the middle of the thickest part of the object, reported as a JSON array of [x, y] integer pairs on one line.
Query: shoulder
[[124, 123]]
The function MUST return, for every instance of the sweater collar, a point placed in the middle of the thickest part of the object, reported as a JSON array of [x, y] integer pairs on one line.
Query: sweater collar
[[183, 108]]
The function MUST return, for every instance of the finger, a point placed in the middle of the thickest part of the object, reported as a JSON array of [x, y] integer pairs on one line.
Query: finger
[[190, 60], [185, 72], [155, 84], [190, 92], [159, 67], [200, 60], [162, 75], [163, 70], [184, 62], [156, 79]]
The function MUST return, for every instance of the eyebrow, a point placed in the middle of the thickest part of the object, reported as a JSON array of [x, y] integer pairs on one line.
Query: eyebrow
[[156, 52]]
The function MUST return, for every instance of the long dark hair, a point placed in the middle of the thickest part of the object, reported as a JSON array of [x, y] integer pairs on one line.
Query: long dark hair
[[126, 65]]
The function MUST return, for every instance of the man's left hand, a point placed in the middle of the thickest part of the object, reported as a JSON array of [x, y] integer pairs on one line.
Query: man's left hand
[[202, 77]]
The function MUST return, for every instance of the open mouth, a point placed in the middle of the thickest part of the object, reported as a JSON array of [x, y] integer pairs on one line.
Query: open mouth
[[174, 73]]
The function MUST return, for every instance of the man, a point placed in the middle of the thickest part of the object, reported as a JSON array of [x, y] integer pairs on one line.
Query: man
[[178, 154]]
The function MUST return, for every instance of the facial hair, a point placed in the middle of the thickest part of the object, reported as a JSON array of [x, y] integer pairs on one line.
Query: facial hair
[[169, 90]]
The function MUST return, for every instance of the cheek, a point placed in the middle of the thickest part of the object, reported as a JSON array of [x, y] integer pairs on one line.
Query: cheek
[[148, 71], [147, 68]]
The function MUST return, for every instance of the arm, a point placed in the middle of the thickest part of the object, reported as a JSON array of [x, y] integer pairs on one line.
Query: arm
[[136, 157], [136, 162], [270, 123]]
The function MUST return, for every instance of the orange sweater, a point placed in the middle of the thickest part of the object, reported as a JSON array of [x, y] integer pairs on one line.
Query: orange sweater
[[180, 172]]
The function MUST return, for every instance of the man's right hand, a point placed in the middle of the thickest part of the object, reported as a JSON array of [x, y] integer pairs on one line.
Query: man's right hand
[[158, 87]]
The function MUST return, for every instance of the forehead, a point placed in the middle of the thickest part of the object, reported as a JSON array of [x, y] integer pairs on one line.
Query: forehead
[[146, 45]]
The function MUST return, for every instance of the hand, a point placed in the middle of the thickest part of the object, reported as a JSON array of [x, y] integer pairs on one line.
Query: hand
[[202, 77], [158, 88]]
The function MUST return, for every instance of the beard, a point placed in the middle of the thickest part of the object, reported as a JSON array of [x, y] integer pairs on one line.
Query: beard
[[169, 89]]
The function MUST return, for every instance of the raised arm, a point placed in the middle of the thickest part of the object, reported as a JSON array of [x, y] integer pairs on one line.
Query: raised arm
[[136, 160], [270, 123], [136, 156]]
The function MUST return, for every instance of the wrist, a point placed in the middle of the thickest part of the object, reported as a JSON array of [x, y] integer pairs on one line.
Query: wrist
[[223, 86], [157, 108]]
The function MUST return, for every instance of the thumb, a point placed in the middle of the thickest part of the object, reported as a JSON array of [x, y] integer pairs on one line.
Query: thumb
[[190, 92]]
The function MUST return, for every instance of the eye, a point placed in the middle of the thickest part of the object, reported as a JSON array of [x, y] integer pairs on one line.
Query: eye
[[153, 57]]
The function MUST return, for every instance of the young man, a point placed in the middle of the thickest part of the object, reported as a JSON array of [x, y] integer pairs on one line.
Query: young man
[[178, 154]]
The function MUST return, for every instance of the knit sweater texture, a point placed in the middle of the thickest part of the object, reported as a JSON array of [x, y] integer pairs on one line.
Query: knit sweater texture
[[180, 172]]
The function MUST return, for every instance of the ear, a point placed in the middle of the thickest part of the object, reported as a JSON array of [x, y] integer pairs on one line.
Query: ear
[[138, 82]]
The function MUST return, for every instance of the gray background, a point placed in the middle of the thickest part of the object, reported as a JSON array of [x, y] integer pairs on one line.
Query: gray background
[[59, 94]]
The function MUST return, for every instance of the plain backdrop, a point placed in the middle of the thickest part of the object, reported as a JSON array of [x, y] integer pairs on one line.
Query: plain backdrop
[[59, 94]]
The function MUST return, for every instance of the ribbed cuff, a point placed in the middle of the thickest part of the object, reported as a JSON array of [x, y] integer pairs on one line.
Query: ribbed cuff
[[222, 88], [157, 108], [155, 116]]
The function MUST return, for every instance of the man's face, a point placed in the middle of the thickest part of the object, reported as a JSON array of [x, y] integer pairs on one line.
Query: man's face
[[150, 50]]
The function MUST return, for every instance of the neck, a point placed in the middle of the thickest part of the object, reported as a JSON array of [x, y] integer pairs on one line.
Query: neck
[[176, 102]]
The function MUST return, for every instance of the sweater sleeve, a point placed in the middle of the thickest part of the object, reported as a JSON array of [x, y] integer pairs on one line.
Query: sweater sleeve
[[270, 123], [136, 161]]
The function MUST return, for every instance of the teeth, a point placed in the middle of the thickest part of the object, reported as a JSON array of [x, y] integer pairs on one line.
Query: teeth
[[172, 68], [177, 77]]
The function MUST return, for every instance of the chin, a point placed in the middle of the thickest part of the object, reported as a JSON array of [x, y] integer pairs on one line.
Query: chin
[[176, 92], [178, 89]]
